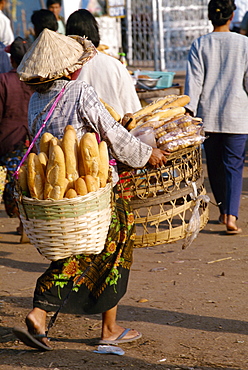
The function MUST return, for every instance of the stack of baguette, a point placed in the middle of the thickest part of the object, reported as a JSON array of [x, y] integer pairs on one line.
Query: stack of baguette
[[65, 168], [173, 129]]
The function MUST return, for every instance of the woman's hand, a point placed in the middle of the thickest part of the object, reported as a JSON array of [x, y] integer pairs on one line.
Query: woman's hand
[[158, 158]]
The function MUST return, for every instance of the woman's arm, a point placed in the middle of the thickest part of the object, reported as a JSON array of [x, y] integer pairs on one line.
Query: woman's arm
[[194, 78], [125, 147]]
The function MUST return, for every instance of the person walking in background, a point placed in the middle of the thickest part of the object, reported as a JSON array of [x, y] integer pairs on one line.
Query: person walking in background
[[239, 13], [6, 33], [41, 19], [106, 74], [217, 83], [14, 138], [55, 7], [244, 25]]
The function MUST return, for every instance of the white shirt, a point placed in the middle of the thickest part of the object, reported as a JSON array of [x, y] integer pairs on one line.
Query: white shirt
[[112, 82], [6, 33]]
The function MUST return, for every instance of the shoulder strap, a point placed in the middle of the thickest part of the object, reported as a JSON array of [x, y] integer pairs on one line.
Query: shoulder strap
[[39, 131]]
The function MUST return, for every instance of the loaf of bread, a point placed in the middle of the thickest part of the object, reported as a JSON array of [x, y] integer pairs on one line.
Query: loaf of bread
[[45, 142], [36, 177], [55, 174], [177, 101], [23, 180], [71, 193], [164, 114], [103, 163], [70, 149], [43, 160], [90, 154], [128, 121], [80, 162], [157, 104], [91, 183], [80, 186], [111, 110]]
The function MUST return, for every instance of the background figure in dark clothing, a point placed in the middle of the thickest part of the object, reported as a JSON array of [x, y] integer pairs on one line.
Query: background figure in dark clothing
[[14, 139], [43, 18]]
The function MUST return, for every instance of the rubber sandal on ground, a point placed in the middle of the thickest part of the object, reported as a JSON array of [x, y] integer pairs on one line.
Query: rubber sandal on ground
[[121, 338], [31, 340], [234, 232]]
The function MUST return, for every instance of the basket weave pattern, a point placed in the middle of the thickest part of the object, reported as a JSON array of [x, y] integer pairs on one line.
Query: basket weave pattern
[[66, 227], [161, 198]]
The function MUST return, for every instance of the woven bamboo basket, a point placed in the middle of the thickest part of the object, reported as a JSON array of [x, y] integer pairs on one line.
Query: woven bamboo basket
[[66, 227], [3, 173], [161, 198]]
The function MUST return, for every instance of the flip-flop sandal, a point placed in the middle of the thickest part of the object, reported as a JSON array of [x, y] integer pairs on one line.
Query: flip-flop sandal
[[121, 338], [30, 340], [234, 232]]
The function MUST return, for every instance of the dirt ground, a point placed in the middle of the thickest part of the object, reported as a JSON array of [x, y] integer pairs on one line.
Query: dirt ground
[[192, 313]]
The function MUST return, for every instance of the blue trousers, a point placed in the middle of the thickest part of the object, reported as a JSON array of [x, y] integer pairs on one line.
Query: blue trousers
[[225, 155]]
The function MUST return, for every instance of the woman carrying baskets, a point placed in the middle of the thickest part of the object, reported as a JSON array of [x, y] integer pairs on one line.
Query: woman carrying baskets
[[51, 65]]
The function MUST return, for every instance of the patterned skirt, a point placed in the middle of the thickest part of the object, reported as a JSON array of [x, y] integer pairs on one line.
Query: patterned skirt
[[105, 275]]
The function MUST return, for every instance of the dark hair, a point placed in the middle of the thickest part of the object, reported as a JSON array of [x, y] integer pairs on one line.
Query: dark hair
[[18, 48], [43, 18], [83, 23], [220, 11], [51, 2]]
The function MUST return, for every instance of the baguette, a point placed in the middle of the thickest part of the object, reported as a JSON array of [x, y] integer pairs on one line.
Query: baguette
[[90, 154], [103, 163], [91, 183], [80, 162], [80, 186], [111, 110], [128, 121], [167, 113], [43, 160], [71, 193], [36, 177], [45, 142], [157, 104], [177, 101], [158, 124], [70, 149], [23, 180], [55, 175]]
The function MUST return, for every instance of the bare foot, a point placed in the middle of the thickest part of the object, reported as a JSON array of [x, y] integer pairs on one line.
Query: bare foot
[[231, 225], [36, 324], [116, 331]]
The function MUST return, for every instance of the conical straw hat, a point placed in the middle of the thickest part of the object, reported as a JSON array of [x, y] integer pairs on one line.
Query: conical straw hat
[[53, 56]]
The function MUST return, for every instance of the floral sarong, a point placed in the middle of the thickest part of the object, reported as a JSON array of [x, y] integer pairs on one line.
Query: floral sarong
[[106, 279]]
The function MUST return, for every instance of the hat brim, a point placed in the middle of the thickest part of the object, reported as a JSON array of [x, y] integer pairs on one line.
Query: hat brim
[[53, 56]]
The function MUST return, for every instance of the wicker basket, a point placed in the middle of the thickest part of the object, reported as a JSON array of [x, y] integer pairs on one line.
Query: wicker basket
[[161, 199], [3, 172], [66, 227]]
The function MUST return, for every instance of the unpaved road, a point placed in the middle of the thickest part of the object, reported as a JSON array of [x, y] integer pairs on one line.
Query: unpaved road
[[193, 314]]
